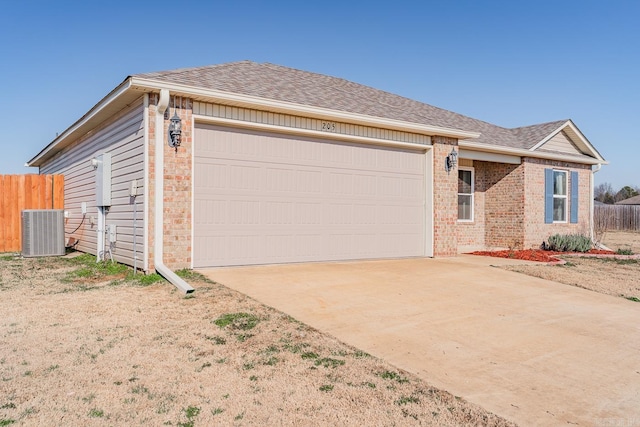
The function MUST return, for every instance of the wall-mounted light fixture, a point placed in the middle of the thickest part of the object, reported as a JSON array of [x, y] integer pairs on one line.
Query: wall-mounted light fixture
[[175, 129], [451, 161]]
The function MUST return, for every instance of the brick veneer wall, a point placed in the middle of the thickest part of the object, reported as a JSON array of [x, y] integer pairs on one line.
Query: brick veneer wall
[[177, 186], [471, 234], [504, 203], [535, 228], [445, 199]]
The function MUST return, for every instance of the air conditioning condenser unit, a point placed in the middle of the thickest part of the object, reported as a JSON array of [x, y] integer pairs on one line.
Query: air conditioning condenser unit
[[42, 232]]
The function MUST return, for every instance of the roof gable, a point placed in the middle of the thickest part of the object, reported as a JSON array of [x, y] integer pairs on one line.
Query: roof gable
[[564, 139]]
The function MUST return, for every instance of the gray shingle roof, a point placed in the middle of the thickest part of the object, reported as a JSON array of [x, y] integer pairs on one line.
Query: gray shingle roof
[[635, 200], [302, 87]]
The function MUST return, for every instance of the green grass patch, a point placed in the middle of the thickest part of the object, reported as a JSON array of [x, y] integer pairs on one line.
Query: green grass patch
[[326, 387], [309, 355], [217, 340], [6, 421], [194, 276], [567, 264], [620, 261], [329, 362], [237, 321], [359, 354], [271, 361], [96, 413], [390, 375], [625, 251], [243, 337], [89, 269], [634, 299], [144, 279], [404, 400]]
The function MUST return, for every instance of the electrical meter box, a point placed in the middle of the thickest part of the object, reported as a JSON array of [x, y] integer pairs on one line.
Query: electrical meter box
[[103, 180]]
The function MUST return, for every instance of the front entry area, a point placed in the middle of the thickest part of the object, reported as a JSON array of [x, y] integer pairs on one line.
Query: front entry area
[[267, 198]]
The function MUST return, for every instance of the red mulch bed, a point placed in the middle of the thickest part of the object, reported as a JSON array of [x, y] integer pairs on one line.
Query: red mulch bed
[[534, 254]]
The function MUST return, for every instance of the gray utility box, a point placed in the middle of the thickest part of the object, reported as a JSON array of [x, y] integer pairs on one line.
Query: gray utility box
[[103, 180], [42, 232]]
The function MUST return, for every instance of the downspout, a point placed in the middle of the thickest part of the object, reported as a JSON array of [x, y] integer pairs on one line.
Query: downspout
[[158, 238], [592, 231]]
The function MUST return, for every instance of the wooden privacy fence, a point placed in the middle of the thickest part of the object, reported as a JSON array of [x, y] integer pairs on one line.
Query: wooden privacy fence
[[617, 217], [18, 192]]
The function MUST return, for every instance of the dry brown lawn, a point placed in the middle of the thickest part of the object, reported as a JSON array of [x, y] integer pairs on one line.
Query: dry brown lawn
[[82, 346], [612, 276]]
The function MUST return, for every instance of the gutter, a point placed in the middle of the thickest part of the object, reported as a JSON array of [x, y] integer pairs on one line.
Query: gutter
[[158, 239]]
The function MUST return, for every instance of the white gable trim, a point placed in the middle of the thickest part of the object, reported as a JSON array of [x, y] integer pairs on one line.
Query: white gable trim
[[581, 143]]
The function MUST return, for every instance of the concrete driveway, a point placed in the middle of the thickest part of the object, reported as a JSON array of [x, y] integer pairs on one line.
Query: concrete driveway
[[534, 351]]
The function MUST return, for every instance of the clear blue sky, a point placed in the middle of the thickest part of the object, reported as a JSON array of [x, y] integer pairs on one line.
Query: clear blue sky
[[512, 63]]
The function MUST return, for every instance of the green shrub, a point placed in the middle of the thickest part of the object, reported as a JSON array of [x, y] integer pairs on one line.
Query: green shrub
[[569, 243]]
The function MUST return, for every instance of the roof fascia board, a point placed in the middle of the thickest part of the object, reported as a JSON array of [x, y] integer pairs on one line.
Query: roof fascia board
[[584, 140], [293, 108], [476, 146], [111, 98], [580, 135]]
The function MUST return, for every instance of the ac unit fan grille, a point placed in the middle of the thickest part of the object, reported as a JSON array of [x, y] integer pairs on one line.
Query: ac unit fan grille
[[42, 232]]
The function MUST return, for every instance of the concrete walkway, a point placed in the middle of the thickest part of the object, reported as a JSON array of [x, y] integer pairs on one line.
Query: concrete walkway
[[531, 350]]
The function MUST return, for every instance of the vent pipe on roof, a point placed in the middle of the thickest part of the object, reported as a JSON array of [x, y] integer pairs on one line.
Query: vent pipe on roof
[[158, 237]]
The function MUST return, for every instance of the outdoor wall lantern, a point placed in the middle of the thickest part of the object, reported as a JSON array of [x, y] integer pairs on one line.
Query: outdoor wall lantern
[[175, 131], [451, 161]]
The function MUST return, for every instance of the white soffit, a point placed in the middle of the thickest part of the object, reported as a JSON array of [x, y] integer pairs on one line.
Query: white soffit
[[489, 157]]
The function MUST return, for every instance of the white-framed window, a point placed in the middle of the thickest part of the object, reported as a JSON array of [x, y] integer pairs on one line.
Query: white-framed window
[[465, 193], [560, 196]]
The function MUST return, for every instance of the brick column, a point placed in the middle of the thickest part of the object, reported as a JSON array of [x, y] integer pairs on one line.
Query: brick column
[[445, 199], [177, 186]]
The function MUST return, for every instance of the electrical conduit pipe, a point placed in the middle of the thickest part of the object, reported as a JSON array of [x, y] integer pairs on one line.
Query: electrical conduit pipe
[[158, 238]]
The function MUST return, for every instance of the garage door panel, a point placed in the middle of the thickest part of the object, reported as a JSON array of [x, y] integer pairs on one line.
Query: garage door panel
[[273, 199]]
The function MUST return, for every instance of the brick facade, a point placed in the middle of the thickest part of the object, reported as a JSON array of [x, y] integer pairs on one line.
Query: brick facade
[[471, 233], [177, 186], [508, 199], [445, 199], [535, 228], [509, 205]]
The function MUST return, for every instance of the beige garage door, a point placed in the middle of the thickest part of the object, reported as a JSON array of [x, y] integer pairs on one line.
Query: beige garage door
[[268, 198]]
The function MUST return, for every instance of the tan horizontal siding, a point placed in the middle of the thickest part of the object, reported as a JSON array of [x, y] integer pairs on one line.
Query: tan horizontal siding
[[561, 143], [298, 122]]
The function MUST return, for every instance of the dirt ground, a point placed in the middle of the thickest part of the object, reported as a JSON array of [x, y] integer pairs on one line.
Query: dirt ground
[[83, 346], [622, 240], [612, 276]]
